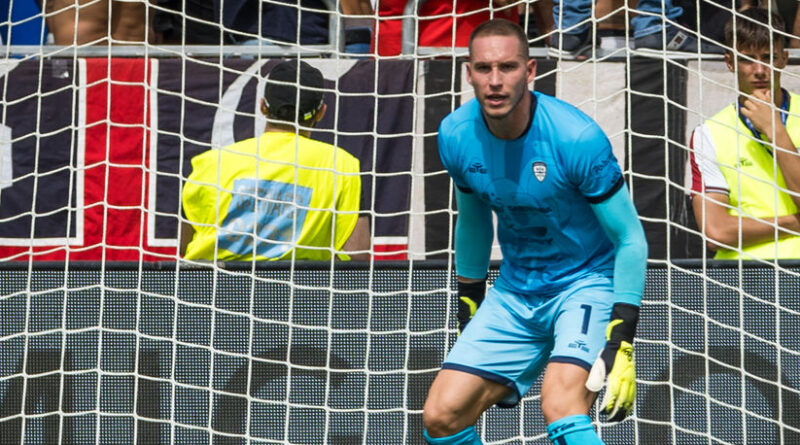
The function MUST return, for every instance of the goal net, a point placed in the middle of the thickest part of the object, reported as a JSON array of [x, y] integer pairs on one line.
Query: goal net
[[109, 336]]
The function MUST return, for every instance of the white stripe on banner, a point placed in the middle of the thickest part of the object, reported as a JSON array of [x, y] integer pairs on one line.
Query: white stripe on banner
[[222, 130], [152, 168], [416, 221], [6, 173], [390, 240]]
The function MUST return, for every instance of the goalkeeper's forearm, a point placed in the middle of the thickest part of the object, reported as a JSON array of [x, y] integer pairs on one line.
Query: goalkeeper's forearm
[[617, 216], [473, 243]]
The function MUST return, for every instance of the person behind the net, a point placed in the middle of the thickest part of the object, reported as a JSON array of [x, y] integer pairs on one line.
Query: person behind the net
[[281, 195], [574, 254], [745, 161], [79, 22]]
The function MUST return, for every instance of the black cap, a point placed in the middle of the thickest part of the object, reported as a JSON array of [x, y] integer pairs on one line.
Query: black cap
[[281, 91]]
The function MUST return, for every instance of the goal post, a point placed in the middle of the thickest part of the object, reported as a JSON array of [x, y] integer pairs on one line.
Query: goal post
[[107, 335]]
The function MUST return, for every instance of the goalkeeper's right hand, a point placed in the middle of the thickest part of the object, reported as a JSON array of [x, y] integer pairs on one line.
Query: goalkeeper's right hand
[[470, 297]]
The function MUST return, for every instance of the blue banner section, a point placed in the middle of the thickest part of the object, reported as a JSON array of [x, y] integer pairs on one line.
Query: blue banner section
[[40, 113], [201, 356]]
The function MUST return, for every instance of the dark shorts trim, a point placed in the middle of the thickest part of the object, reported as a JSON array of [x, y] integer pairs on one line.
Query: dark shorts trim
[[492, 377], [571, 360]]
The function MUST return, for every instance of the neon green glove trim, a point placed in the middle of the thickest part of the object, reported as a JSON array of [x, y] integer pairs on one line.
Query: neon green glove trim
[[473, 306], [621, 386]]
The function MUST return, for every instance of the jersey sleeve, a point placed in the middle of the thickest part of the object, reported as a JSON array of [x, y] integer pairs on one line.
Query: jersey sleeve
[[706, 174], [617, 216], [474, 234], [348, 202], [592, 166], [450, 157]]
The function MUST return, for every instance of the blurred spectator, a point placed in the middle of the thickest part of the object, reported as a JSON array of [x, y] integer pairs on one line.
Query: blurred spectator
[[790, 12], [794, 42], [651, 28], [93, 21], [713, 13], [281, 195], [438, 22], [247, 20], [745, 164], [26, 26], [358, 25], [188, 22], [787, 9], [539, 18], [357, 40]]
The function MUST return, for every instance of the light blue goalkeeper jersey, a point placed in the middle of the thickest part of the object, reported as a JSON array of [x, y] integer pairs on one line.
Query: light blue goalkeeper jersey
[[540, 185]]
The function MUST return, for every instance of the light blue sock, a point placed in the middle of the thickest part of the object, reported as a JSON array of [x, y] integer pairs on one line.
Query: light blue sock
[[573, 430], [467, 436]]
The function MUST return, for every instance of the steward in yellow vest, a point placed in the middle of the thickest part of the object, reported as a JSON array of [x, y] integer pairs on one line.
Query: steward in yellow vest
[[281, 195], [745, 162]]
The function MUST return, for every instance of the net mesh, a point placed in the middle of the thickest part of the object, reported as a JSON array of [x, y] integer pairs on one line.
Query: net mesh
[[107, 337]]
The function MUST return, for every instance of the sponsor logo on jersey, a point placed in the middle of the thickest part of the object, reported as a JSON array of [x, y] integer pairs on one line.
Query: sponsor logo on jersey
[[540, 170], [579, 344], [476, 167]]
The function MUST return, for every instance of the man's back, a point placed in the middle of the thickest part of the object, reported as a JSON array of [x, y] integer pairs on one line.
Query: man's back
[[272, 193]]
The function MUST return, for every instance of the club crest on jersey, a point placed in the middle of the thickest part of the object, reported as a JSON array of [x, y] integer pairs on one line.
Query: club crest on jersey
[[540, 170]]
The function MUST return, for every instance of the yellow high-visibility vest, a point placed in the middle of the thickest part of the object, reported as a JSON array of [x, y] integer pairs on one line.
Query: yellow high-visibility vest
[[754, 179], [270, 197]]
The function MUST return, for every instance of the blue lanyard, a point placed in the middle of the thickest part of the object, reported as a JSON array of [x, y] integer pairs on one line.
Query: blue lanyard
[[747, 123]]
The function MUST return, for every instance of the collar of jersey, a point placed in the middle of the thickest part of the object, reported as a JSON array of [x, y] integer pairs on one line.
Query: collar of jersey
[[530, 121]]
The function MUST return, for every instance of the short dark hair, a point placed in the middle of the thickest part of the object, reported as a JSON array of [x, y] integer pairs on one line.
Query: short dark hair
[[753, 29], [500, 27]]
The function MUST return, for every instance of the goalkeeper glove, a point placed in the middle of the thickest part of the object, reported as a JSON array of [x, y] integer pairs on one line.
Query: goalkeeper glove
[[616, 362], [470, 297]]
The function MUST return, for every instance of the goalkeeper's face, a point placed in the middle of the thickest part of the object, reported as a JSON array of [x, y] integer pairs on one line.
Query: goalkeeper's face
[[499, 71]]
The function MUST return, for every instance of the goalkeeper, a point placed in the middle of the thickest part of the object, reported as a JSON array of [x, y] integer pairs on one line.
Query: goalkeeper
[[574, 254]]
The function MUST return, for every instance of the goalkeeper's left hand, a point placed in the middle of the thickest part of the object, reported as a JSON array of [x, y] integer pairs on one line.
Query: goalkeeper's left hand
[[616, 362], [470, 297]]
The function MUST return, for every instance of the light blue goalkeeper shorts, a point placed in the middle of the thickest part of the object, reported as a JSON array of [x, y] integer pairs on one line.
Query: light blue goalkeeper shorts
[[512, 336]]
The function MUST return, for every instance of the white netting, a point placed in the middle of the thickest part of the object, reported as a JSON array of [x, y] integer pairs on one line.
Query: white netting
[[106, 337]]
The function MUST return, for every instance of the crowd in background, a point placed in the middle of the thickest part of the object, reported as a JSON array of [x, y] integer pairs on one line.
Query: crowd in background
[[370, 26]]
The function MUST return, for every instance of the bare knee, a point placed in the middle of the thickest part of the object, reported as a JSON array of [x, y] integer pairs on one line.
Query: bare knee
[[456, 400], [564, 393], [557, 405], [441, 420]]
